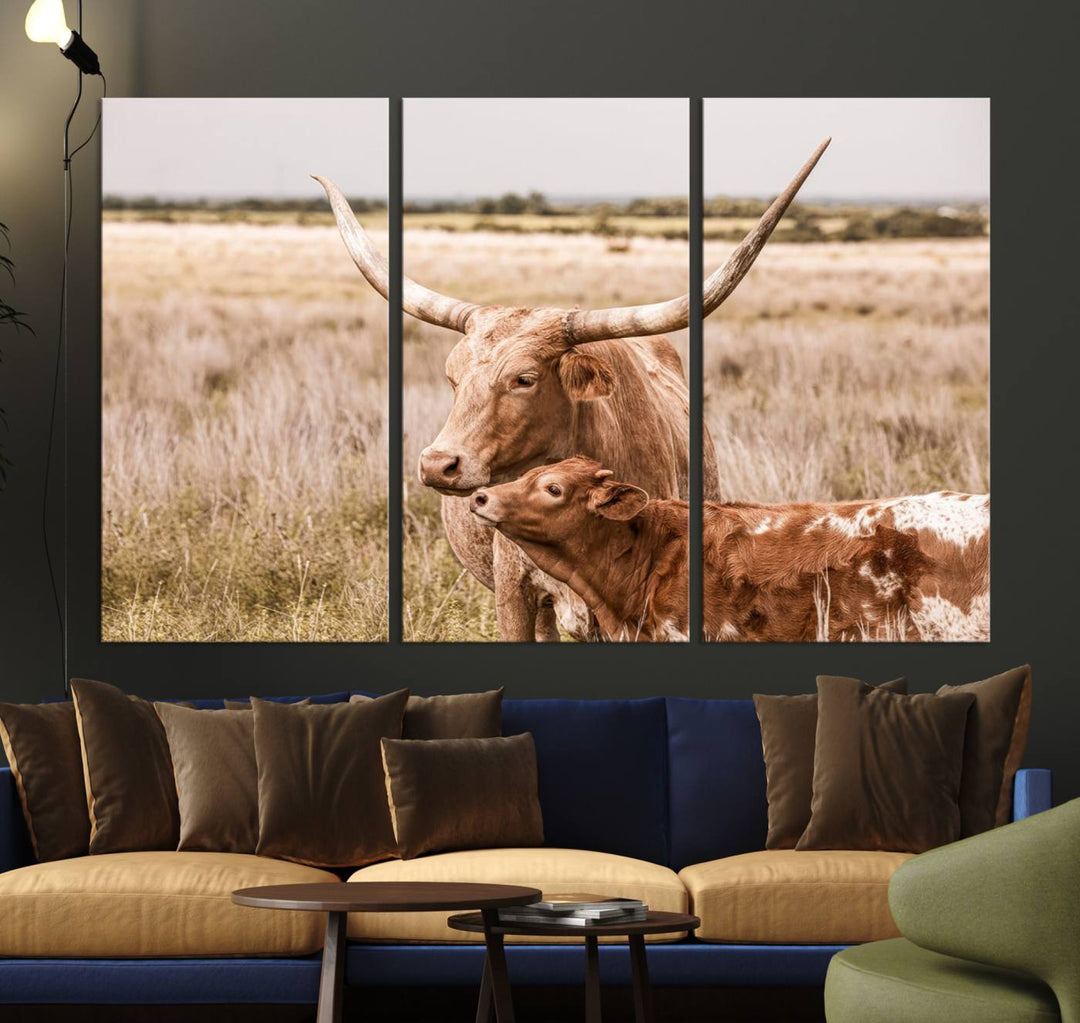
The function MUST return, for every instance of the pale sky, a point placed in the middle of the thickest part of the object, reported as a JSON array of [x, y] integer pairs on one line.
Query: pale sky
[[561, 147], [266, 148], [881, 148], [243, 148]]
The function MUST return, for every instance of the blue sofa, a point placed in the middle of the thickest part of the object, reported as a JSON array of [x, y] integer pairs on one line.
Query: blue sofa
[[669, 781]]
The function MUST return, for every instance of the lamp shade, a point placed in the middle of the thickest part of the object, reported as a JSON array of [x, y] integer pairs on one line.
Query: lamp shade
[[46, 23]]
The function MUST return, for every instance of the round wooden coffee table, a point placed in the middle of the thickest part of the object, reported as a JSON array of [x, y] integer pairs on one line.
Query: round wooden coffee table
[[495, 978], [338, 900]]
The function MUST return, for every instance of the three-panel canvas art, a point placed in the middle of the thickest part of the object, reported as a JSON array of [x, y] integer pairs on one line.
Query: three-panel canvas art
[[549, 384]]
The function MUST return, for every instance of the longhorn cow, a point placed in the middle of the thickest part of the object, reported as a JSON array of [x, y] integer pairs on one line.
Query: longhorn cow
[[533, 386]]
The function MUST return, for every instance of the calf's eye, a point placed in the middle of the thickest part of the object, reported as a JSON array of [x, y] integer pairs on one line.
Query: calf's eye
[[553, 489], [524, 381]]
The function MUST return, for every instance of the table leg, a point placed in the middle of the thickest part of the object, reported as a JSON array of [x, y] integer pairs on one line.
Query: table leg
[[592, 980], [496, 960], [643, 1010], [485, 1006], [331, 982]]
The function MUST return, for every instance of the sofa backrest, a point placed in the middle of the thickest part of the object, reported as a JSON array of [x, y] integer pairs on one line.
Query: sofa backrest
[[673, 781], [603, 774], [716, 779]]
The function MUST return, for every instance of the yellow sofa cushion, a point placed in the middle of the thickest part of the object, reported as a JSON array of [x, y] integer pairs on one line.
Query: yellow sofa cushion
[[550, 870], [153, 904], [785, 896]]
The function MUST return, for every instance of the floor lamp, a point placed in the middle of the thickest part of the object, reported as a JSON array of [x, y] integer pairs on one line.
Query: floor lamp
[[47, 23]]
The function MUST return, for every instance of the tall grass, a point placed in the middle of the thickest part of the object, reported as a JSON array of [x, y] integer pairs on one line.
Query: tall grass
[[847, 371], [244, 436]]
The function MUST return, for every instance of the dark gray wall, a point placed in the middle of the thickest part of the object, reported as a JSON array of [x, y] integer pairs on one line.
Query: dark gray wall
[[1022, 59]]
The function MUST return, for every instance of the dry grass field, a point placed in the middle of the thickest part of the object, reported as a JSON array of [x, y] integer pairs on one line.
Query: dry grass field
[[243, 434], [841, 371], [836, 371], [244, 431]]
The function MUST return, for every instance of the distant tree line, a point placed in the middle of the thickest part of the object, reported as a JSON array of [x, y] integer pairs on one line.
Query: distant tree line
[[913, 223], [537, 204], [317, 205], [804, 223], [725, 217]]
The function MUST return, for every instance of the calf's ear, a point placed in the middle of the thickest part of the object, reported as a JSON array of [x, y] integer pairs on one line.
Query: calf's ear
[[585, 377], [617, 500]]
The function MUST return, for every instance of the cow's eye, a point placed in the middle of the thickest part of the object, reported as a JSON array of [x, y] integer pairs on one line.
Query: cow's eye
[[524, 381], [554, 489]]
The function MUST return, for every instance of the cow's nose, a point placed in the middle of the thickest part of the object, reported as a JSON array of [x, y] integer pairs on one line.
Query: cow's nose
[[439, 469]]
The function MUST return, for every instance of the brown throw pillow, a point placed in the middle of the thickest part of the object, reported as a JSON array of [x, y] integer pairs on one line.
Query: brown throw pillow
[[997, 732], [458, 716], [788, 725], [42, 746], [322, 797], [886, 768], [127, 770], [463, 793], [217, 781]]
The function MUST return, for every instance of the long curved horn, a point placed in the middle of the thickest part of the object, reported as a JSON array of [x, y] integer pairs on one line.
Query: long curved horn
[[416, 300], [583, 326]]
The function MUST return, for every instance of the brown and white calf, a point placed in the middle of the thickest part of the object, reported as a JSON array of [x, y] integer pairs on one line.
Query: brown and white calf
[[905, 568]]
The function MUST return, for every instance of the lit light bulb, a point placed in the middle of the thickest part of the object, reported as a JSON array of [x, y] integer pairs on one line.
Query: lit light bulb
[[45, 23]]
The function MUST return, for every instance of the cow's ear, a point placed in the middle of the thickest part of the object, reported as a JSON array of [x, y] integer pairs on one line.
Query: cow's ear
[[617, 500], [585, 377]]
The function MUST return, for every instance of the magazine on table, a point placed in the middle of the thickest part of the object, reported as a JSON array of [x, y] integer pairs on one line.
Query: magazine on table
[[576, 909]]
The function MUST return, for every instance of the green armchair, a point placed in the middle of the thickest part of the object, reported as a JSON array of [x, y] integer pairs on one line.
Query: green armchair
[[991, 931]]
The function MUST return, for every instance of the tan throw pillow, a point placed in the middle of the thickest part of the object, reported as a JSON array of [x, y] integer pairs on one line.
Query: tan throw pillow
[[463, 793], [42, 746], [217, 780], [457, 716], [127, 770], [322, 797], [997, 733], [788, 726], [886, 769]]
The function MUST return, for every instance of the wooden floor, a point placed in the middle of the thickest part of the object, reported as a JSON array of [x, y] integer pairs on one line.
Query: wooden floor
[[457, 1005]]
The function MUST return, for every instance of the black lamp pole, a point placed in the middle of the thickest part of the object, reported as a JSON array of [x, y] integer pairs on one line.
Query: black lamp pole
[[75, 49]]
